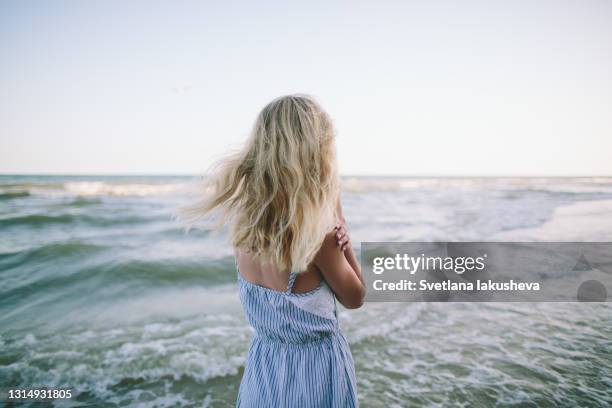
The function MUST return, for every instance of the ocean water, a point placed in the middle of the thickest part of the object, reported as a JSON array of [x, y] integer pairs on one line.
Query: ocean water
[[102, 292]]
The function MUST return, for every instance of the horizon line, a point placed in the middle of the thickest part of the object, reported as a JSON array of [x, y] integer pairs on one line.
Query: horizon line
[[102, 174]]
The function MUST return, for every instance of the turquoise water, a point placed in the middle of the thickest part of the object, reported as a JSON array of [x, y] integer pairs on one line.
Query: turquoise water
[[103, 292]]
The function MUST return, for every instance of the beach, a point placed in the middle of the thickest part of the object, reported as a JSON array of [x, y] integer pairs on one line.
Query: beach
[[102, 291]]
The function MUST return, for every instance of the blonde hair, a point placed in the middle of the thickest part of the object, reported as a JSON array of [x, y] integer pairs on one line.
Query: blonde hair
[[279, 192]]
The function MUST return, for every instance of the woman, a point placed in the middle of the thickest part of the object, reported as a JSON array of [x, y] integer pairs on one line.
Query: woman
[[280, 196]]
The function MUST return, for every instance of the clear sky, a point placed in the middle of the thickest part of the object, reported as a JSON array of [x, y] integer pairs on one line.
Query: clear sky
[[414, 88]]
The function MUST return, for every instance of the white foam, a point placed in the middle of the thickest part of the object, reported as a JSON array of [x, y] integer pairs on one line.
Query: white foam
[[201, 348], [366, 184], [29, 339], [582, 221], [99, 188], [585, 185]]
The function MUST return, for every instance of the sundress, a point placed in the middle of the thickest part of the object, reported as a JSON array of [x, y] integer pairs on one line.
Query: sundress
[[298, 357]]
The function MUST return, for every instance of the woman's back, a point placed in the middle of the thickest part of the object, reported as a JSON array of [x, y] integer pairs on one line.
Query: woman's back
[[286, 316], [269, 276]]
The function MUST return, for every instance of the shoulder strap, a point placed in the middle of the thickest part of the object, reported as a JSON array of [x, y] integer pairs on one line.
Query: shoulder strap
[[292, 276]]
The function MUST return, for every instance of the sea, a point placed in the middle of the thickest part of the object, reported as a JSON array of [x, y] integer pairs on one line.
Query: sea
[[103, 292]]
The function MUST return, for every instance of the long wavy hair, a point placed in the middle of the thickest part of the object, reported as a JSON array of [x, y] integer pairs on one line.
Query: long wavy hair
[[279, 192]]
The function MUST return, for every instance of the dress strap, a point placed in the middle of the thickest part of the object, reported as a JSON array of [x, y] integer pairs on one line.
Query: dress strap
[[292, 276]]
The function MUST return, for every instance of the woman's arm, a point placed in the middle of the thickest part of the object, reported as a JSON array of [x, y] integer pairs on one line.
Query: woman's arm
[[338, 264], [343, 278], [345, 244], [349, 254]]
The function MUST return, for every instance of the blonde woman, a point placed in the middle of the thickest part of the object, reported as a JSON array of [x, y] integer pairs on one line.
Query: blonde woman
[[280, 196]]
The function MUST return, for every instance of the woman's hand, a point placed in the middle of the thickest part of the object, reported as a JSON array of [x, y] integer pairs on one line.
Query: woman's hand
[[339, 267], [342, 237]]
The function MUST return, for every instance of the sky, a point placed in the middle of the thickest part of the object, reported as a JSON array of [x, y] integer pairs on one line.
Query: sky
[[422, 88]]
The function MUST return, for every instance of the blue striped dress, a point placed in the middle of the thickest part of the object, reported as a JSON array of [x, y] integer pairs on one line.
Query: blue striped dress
[[298, 357]]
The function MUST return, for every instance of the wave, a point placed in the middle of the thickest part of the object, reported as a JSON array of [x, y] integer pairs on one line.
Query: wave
[[49, 252], [573, 222], [131, 365], [83, 202], [209, 272], [353, 184], [9, 195], [106, 272], [585, 185], [93, 188], [372, 184], [466, 348], [99, 188], [39, 220], [397, 316]]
